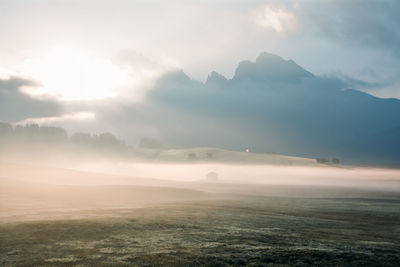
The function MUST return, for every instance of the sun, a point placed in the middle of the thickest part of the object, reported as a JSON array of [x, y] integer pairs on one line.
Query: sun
[[72, 74]]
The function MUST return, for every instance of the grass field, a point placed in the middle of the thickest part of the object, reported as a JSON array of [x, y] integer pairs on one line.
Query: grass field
[[255, 231]]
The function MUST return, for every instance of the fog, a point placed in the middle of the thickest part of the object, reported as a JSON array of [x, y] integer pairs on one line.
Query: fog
[[45, 174], [255, 174]]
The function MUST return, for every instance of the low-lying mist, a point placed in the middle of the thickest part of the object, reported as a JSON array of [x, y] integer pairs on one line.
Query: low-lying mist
[[33, 190], [46, 174], [254, 174]]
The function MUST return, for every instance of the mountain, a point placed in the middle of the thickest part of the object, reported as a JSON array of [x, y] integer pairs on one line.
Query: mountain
[[274, 105], [271, 68], [216, 78]]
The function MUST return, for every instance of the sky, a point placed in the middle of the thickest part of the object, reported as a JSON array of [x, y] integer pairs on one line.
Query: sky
[[67, 58], [135, 41]]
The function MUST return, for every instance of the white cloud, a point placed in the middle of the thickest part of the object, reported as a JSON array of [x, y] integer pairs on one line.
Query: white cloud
[[67, 117], [278, 19]]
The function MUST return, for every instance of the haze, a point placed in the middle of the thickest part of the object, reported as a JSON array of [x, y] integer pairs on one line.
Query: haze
[[199, 133]]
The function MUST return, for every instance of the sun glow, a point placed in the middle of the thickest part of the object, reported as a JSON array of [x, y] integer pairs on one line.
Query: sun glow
[[71, 74]]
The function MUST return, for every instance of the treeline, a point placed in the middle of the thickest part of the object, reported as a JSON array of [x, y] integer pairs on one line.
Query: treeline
[[325, 160], [31, 136]]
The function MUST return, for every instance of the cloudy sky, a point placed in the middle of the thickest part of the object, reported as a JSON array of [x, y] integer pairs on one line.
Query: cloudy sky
[[65, 57], [133, 41]]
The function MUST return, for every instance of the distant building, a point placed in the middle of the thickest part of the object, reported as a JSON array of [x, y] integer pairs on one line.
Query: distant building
[[212, 176]]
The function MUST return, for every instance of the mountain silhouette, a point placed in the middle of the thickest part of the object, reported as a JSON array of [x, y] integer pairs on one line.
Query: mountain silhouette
[[269, 68], [274, 105]]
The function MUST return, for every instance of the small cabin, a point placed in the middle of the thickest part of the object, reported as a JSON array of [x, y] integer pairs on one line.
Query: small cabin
[[212, 177]]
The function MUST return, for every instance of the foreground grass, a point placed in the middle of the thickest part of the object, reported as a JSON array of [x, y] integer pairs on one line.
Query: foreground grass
[[254, 231]]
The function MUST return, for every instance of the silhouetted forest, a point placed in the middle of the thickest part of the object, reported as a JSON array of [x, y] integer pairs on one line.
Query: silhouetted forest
[[25, 138]]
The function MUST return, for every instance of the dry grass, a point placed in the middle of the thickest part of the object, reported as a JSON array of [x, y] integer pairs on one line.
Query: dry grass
[[254, 231]]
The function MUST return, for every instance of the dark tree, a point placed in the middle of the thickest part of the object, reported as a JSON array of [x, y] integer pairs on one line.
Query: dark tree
[[322, 160], [82, 139]]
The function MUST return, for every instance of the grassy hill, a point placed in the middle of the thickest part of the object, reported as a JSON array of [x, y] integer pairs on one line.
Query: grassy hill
[[209, 154]]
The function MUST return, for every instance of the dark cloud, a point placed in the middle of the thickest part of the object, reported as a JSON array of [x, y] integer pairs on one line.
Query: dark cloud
[[371, 24], [16, 105]]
